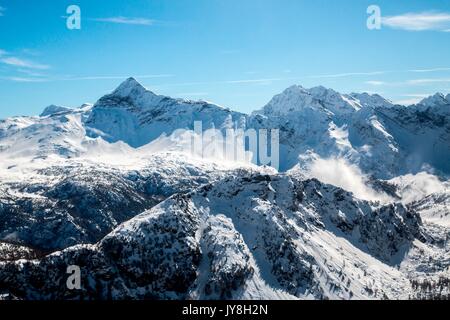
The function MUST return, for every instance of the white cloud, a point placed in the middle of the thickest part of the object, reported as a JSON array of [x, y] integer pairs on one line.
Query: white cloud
[[2, 10], [350, 74], [269, 80], [340, 173], [419, 21], [23, 79], [429, 70], [418, 95], [376, 83], [38, 77], [127, 20], [17, 62], [381, 72], [145, 76], [2, 52], [413, 98], [31, 72], [408, 102], [418, 186], [426, 81]]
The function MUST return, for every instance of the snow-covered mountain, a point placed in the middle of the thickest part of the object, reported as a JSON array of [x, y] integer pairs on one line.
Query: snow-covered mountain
[[137, 116], [382, 139], [82, 200], [250, 235], [314, 123], [360, 208]]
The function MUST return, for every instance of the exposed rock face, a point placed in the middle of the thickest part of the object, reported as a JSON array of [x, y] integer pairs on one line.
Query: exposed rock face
[[279, 232]]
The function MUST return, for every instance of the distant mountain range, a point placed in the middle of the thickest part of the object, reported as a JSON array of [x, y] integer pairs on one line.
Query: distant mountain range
[[360, 208]]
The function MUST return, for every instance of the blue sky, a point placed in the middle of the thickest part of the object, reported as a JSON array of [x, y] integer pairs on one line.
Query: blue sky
[[234, 53]]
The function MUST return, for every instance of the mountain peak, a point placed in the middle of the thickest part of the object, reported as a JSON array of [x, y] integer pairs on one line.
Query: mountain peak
[[53, 109], [131, 81], [314, 91], [297, 98], [371, 100], [129, 92], [321, 90], [436, 99], [130, 86]]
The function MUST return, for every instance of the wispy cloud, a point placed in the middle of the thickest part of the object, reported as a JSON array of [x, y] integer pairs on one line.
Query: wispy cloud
[[295, 78], [31, 72], [376, 83], [263, 80], [127, 20], [17, 62], [418, 95], [427, 81], [238, 81], [2, 10], [429, 70], [145, 76], [421, 21], [412, 98], [350, 74], [36, 77], [408, 102], [23, 79], [31, 69]]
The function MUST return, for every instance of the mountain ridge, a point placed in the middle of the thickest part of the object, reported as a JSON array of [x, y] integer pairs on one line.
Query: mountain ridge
[[358, 210], [316, 122]]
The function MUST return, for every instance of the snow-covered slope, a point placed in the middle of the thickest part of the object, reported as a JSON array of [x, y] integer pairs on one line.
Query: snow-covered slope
[[63, 203], [427, 194], [138, 116], [422, 133], [59, 133], [52, 109], [111, 187], [382, 139], [297, 98], [314, 123], [250, 235]]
